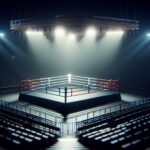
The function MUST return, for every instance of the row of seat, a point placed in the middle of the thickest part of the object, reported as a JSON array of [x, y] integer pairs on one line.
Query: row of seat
[[27, 121], [128, 131], [20, 132], [113, 121], [83, 125], [28, 116]]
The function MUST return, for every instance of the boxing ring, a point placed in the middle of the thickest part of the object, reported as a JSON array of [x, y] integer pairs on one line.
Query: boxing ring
[[69, 93], [75, 84]]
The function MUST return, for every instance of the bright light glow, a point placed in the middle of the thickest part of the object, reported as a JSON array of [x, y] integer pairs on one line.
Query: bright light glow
[[69, 78], [59, 31], [115, 32], [68, 143], [2, 34], [72, 36], [69, 75], [148, 34], [91, 31], [33, 32]]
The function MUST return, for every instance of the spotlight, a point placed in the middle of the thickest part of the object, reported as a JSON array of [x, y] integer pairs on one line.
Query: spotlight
[[115, 32], [2, 34], [33, 32], [148, 34], [91, 31], [59, 31], [72, 36]]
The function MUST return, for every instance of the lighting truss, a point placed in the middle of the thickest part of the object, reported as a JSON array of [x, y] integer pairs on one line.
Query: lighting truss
[[77, 24]]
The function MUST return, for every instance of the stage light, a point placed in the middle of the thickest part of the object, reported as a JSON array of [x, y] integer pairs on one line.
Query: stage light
[[59, 31], [91, 31], [2, 34], [33, 32], [115, 32], [148, 34], [72, 36]]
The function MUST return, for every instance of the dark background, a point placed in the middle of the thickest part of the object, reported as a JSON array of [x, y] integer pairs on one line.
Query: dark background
[[131, 9], [133, 70]]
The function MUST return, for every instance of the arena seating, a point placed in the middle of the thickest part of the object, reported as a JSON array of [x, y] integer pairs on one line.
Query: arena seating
[[127, 129], [19, 130]]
